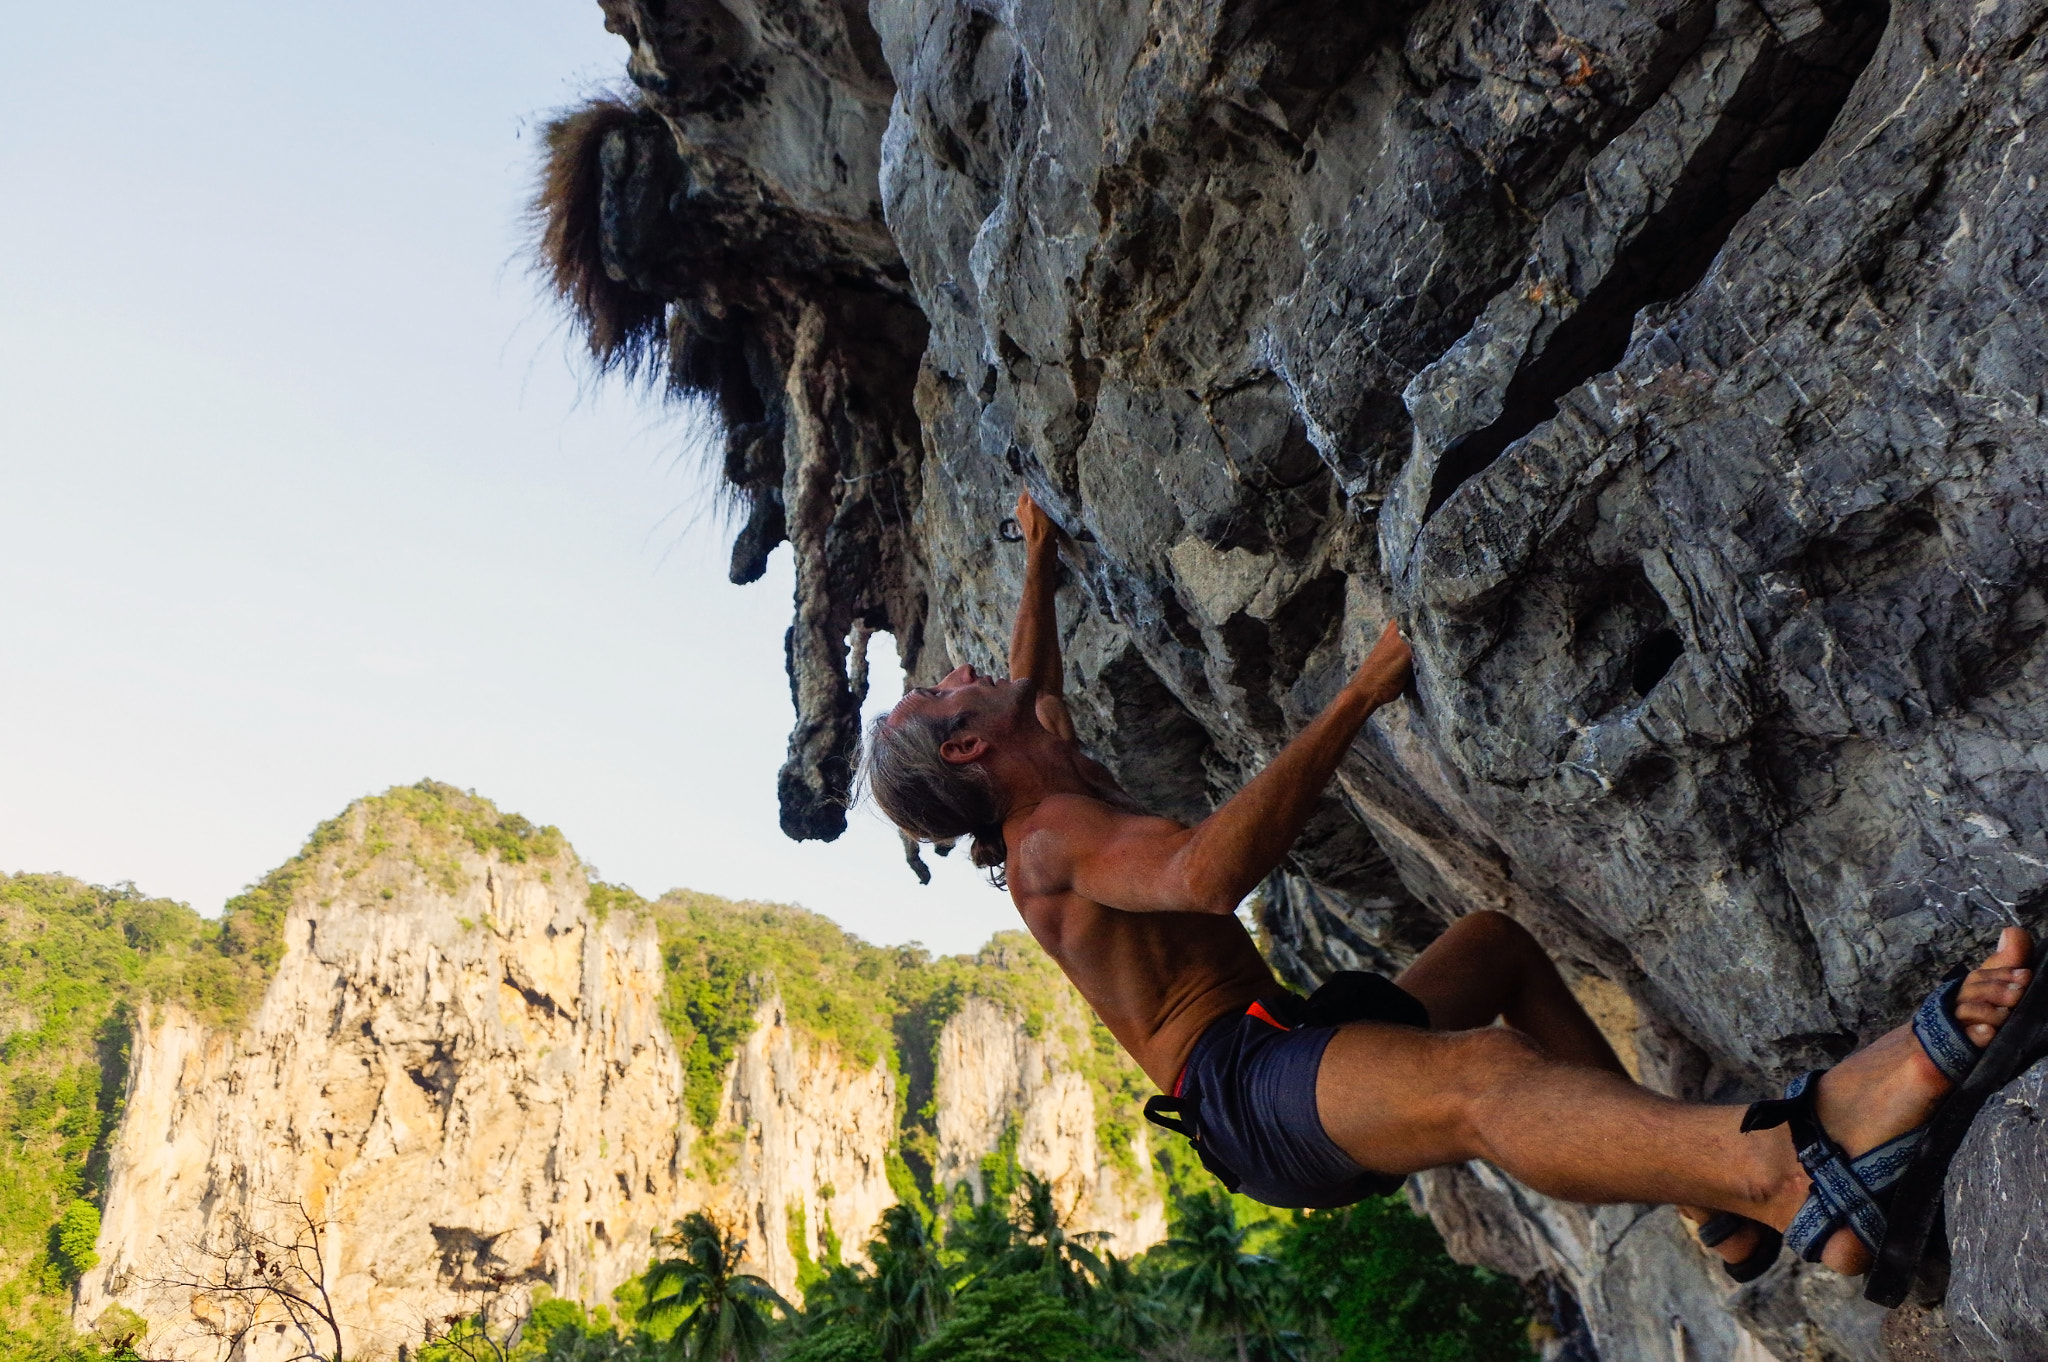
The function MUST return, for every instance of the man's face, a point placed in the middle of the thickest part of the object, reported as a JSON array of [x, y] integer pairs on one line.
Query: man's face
[[991, 705]]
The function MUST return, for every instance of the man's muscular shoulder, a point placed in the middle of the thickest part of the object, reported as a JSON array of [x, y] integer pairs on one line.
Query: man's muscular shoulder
[[1071, 832], [1042, 853]]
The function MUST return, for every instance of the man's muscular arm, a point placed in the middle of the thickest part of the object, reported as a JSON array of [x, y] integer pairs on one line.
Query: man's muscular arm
[[1035, 638], [1156, 865]]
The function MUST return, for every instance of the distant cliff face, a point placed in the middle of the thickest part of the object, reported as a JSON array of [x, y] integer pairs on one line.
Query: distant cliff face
[[455, 1067], [814, 1133], [465, 1074], [1671, 371], [1000, 1085]]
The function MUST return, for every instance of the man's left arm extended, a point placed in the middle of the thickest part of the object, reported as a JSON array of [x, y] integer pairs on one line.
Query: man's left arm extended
[[1035, 637], [1156, 865]]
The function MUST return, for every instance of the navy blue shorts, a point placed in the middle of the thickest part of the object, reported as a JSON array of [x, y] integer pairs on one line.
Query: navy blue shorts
[[1248, 1100]]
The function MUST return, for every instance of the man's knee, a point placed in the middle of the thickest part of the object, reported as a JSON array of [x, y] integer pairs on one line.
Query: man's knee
[[1497, 929], [1495, 1052], [1486, 1067]]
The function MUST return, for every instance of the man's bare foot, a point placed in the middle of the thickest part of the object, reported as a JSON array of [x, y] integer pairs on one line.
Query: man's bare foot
[[1891, 1086]]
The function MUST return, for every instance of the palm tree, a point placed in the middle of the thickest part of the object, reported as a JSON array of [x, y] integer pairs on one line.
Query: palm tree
[[720, 1313], [1063, 1256], [1226, 1289], [1126, 1306], [842, 1297], [908, 1294], [981, 1237]]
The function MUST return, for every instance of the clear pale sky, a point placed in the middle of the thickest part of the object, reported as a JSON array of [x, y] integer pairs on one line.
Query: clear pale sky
[[306, 493]]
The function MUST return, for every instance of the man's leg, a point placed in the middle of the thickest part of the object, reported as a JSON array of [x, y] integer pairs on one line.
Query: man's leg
[[1488, 968], [1399, 1100]]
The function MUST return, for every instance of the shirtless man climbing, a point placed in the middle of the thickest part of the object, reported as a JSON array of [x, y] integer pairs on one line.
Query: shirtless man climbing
[[1140, 913]]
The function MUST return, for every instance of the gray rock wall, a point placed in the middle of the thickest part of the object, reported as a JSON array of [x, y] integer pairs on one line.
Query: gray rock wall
[[1670, 371], [1998, 1292]]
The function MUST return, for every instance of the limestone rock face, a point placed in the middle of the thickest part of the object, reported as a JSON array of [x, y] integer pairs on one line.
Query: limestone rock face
[[1671, 371], [467, 1080], [1998, 1297], [745, 199], [996, 1078], [461, 1073], [814, 1135]]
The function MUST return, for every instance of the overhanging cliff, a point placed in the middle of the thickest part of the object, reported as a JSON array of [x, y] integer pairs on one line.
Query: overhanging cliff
[[1671, 371]]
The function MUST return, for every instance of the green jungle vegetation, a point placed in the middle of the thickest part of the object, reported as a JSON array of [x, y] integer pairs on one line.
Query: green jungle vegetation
[[76, 961], [871, 1003], [944, 1279], [1005, 1281]]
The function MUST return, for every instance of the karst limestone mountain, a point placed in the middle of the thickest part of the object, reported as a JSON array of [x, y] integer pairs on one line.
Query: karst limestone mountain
[[480, 1074]]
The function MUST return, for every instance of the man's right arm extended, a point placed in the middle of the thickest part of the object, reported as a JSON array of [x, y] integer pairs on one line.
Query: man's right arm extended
[[1156, 865]]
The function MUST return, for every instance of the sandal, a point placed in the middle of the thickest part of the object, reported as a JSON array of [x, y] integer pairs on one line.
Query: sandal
[[2021, 1042], [1890, 1196]]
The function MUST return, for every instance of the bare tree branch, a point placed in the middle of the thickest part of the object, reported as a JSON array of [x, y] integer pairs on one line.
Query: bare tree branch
[[482, 1332], [245, 1275]]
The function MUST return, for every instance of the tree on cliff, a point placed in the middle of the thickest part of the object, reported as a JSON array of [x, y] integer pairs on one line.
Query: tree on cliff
[[1011, 1319], [1129, 1311], [1062, 1256], [910, 1292], [886, 1309], [980, 1237], [718, 1313]]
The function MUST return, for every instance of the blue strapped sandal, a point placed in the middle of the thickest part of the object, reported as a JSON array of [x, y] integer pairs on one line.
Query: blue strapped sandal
[[1890, 1196]]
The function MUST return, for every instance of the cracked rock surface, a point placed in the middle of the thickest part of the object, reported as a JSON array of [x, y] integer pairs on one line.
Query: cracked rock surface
[[1671, 371]]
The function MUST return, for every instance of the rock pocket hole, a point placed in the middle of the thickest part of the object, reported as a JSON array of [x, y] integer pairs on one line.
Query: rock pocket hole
[[1623, 638], [1654, 659], [1774, 121]]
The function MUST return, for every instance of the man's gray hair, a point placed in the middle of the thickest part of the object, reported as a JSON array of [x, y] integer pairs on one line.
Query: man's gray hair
[[928, 797]]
